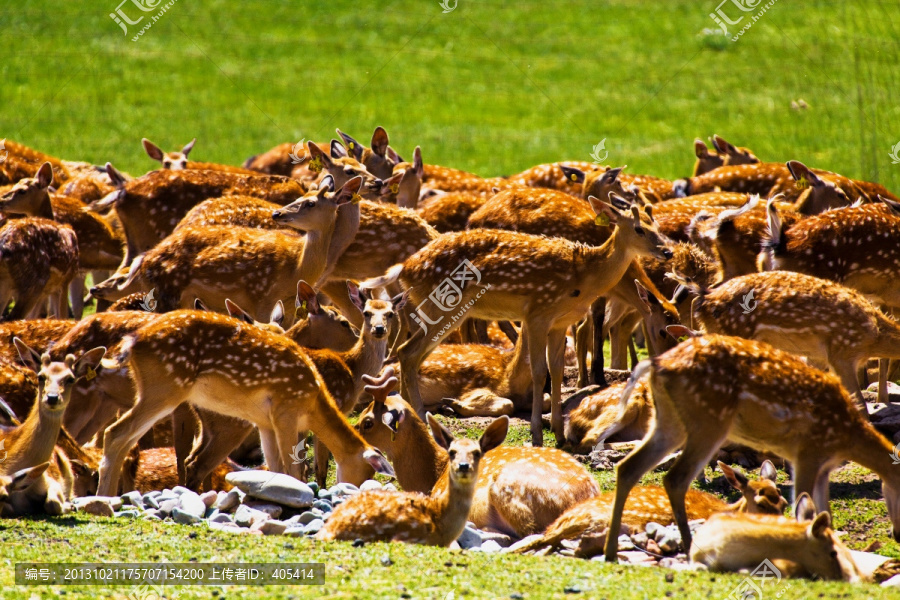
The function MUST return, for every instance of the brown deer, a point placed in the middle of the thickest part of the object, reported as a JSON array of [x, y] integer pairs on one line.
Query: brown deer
[[285, 159], [404, 186], [38, 261], [221, 364], [435, 520], [795, 312], [151, 206], [734, 541], [342, 168], [22, 161], [378, 158], [555, 176], [99, 247], [177, 161], [588, 521], [713, 388], [520, 490], [446, 179], [450, 211], [724, 153], [237, 211], [638, 188], [262, 265], [599, 418], [567, 277], [34, 490]]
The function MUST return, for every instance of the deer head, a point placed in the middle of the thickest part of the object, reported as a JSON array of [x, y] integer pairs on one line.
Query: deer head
[[175, 161], [465, 454], [820, 195], [56, 379], [378, 315], [317, 209], [27, 195], [635, 229]]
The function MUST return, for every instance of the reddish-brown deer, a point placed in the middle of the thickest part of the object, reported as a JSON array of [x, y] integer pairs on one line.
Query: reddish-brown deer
[[724, 153], [734, 541], [178, 161], [224, 365], [520, 490], [376, 158], [588, 521], [547, 283], [711, 389], [435, 520]]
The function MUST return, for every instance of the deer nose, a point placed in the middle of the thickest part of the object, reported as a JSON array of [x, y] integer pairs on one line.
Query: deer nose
[[380, 330], [276, 214], [667, 253], [53, 399], [464, 467]]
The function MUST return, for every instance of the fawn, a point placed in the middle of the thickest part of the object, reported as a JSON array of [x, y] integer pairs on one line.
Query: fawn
[[588, 521], [221, 364], [520, 490], [435, 520], [730, 388], [734, 541], [547, 283], [178, 161]]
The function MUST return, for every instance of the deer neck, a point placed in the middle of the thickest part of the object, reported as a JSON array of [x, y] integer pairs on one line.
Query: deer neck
[[314, 257], [517, 375], [775, 541], [366, 357], [417, 459], [346, 227], [36, 437], [452, 505], [43, 208], [887, 343], [606, 264]]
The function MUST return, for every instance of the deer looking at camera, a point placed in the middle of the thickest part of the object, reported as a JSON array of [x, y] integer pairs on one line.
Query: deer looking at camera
[[224, 365], [520, 490], [711, 389], [588, 521], [177, 161], [435, 520]]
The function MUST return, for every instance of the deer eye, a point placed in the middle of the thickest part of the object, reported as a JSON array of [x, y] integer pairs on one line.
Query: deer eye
[[452, 454], [348, 170], [42, 378], [639, 230], [69, 380], [477, 454], [367, 315], [389, 316], [368, 423], [834, 554], [309, 204]]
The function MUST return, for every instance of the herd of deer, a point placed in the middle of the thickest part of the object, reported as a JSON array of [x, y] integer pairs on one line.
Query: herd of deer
[[473, 286]]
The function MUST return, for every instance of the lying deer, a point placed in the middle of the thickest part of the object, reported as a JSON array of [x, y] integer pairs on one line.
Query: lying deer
[[177, 161], [713, 388], [588, 521], [547, 283], [435, 520], [724, 154], [599, 418], [221, 364], [520, 490], [731, 542]]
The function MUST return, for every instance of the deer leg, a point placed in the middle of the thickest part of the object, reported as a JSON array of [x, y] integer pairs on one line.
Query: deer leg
[[79, 413], [76, 291], [883, 369], [846, 371], [411, 355], [124, 433], [185, 425], [536, 339], [598, 314], [556, 360], [323, 455], [632, 353], [219, 436], [270, 447], [806, 475], [696, 454], [510, 331], [583, 336]]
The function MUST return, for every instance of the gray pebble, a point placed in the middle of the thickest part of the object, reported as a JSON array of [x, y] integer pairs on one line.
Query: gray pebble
[[183, 517], [229, 501], [313, 526]]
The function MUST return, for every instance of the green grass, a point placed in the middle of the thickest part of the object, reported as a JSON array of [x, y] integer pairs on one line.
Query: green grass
[[493, 87]]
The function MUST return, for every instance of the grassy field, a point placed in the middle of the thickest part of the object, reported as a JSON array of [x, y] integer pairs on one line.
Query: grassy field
[[493, 87]]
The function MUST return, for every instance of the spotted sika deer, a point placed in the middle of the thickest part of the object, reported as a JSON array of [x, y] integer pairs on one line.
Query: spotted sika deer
[[711, 389], [151, 206], [588, 521], [731, 542], [520, 490], [600, 418], [378, 159], [724, 153], [32, 443], [547, 283], [435, 520], [178, 161], [254, 268], [226, 366], [796, 313]]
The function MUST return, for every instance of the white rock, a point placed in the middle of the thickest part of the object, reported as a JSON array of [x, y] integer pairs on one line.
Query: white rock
[[274, 487], [370, 484], [191, 503]]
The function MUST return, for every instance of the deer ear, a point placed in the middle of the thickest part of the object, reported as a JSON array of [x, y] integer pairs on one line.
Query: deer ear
[[804, 508], [237, 312], [277, 316], [198, 305], [679, 331], [819, 525], [31, 358], [115, 176], [572, 174], [188, 147], [611, 175], [736, 479], [767, 471], [418, 165], [357, 296], [354, 148], [152, 149], [645, 295], [377, 460], [305, 293], [440, 433], [88, 363], [395, 158], [380, 141], [338, 150], [494, 435], [24, 479], [348, 190], [700, 149], [722, 146], [606, 214], [399, 301], [45, 175]]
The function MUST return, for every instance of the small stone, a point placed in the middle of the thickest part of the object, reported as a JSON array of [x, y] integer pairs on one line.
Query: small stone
[[314, 487], [167, 506], [370, 484], [128, 514], [386, 560], [389, 487], [183, 517], [322, 505], [308, 517], [313, 526], [469, 538], [191, 503], [97, 506], [358, 543], [221, 518], [114, 502], [153, 493], [637, 558], [179, 490], [344, 489], [246, 516], [294, 531], [516, 596], [271, 527], [211, 512], [572, 589], [229, 527], [652, 528], [273, 510], [653, 547], [490, 546], [152, 512], [325, 495], [502, 540], [133, 498], [625, 543], [640, 539], [152, 516], [274, 487], [150, 500], [229, 501], [209, 498]]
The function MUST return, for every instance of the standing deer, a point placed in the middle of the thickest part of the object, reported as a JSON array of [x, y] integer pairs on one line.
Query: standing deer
[[520, 490], [795, 312], [547, 283], [712, 388], [588, 521], [435, 520], [734, 541], [178, 161], [224, 365]]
